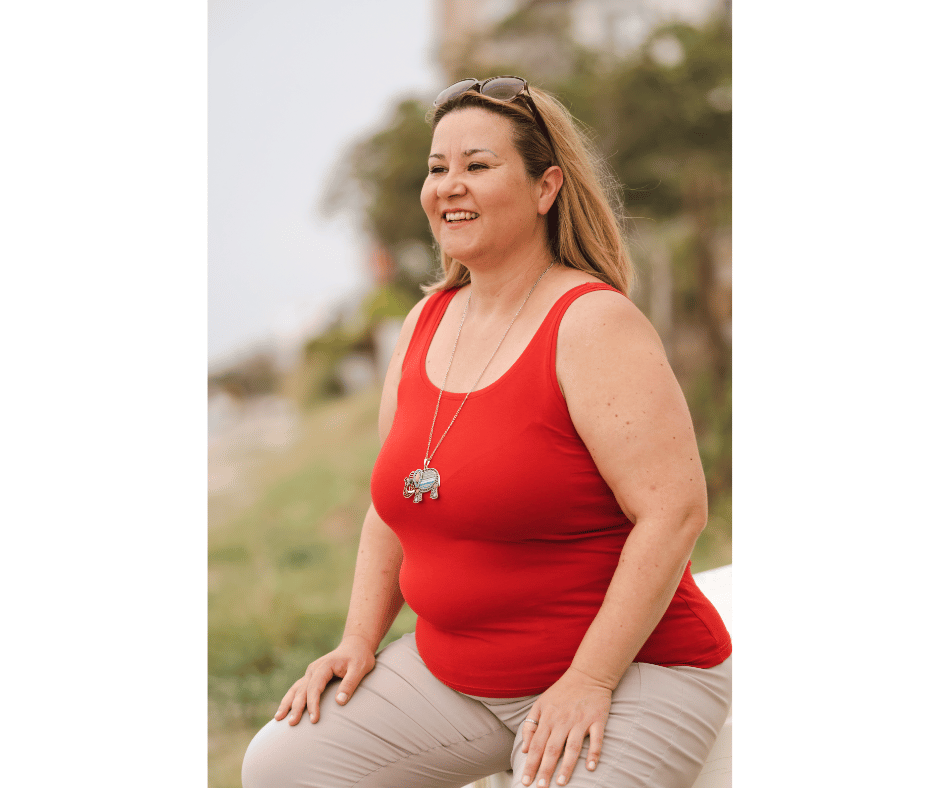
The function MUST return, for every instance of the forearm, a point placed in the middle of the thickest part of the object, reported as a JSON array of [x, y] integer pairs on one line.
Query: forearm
[[376, 596], [648, 573]]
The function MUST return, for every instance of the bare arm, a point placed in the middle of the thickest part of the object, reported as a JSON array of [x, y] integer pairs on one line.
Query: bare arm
[[376, 597], [628, 409]]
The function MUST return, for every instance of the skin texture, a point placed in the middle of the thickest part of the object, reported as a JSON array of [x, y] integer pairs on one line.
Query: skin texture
[[624, 402]]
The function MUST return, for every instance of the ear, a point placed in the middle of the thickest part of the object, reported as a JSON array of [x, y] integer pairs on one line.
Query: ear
[[548, 187]]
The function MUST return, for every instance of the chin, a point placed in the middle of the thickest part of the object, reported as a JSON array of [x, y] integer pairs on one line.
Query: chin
[[457, 252]]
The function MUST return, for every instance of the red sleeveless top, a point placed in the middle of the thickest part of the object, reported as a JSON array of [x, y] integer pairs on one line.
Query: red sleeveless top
[[508, 567]]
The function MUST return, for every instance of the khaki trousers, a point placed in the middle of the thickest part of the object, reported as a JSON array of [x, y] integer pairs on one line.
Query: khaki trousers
[[403, 728]]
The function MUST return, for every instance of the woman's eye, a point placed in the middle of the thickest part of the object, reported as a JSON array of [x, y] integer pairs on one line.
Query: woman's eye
[[435, 170], [477, 166]]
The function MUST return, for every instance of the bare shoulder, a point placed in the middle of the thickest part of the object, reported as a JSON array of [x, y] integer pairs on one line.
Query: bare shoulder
[[601, 327], [389, 403]]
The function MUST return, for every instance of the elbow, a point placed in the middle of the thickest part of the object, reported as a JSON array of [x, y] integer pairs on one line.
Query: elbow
[[681, 526], [697, 521], [695, 517], [690, 522]]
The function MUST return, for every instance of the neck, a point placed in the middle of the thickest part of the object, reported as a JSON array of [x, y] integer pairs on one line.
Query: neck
[[500, 289]]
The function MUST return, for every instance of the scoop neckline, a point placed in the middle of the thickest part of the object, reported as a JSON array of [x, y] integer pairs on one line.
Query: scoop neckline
[[512, 367]]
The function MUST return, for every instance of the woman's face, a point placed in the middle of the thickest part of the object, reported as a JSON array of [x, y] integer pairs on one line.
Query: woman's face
[[478, 198]]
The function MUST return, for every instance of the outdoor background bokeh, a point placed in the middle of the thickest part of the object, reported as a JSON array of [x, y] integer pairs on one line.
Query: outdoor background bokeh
[[292, 440]]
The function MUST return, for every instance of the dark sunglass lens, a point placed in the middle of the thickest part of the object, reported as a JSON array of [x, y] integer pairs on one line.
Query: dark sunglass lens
[[454, 90], [503, 88]]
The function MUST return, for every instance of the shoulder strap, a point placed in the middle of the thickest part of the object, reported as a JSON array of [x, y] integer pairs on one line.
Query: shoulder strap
[[428, 321], [553, 321], [557, 312]]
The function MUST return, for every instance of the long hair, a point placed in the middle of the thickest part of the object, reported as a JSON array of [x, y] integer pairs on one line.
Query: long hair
[[586, 224]]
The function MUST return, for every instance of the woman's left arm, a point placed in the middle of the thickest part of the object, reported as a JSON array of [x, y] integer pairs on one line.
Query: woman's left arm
[[631, 414]]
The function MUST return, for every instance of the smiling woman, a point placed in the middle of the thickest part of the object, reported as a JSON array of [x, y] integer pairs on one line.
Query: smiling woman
[[546, 553]]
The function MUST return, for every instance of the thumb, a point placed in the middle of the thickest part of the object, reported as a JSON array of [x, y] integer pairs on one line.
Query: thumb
[[354, 674]]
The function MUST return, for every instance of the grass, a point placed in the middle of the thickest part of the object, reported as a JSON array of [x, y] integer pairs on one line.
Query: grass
[[282, 547]]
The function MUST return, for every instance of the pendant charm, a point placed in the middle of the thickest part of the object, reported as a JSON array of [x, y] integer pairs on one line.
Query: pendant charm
[[421, 481]]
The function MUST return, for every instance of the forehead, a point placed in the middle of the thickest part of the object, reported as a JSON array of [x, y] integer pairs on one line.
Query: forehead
[[472, 128]]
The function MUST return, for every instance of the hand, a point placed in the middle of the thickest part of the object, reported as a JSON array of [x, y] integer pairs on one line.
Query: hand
[[351, 660], [575, 706]]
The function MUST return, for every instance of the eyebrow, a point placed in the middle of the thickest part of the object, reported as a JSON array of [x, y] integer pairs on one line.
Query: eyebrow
[[470, 152]]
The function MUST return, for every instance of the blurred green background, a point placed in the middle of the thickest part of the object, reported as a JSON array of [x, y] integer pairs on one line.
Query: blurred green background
[[291, 447]]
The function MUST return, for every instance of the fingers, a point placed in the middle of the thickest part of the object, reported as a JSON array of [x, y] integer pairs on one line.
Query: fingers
[[354, 674], [597, 740], [298, 703], [293, 703], [545, 749], [572, 753], [317, 682], [285, 704], [307, 691], [529, 727]]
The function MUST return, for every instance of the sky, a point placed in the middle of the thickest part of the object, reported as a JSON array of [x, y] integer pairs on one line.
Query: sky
[[291, 84]]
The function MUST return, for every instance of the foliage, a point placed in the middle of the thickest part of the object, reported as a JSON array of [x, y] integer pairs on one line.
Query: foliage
[[250, 377], [660, 124], [354, 334]]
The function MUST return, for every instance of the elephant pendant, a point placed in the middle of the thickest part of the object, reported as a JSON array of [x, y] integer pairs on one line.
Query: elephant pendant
[[421, 481]]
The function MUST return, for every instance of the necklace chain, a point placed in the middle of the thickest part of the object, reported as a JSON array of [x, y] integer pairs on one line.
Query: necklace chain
[[428, 454]]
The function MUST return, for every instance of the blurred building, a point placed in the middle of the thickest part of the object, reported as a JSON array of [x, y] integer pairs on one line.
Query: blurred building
[[530, 32]]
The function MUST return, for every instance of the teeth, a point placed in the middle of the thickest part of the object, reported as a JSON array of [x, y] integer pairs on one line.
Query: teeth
[[459, 216]]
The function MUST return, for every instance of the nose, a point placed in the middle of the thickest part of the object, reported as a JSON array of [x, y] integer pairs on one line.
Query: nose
[[451, 185]]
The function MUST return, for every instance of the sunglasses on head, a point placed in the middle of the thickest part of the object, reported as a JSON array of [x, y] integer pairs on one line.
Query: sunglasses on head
[[503, 89]]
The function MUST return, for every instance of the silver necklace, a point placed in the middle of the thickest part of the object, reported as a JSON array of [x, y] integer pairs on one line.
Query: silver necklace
[[428, 480]]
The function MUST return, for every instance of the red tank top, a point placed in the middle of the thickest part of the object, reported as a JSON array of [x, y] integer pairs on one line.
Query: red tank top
[[508, 567]]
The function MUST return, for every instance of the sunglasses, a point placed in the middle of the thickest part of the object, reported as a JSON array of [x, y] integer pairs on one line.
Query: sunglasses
[[503, 89]]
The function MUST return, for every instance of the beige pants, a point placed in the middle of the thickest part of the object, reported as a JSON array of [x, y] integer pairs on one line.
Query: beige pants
[[403, 728]]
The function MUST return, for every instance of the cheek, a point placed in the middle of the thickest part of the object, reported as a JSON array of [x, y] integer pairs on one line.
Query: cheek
[[428, 200]]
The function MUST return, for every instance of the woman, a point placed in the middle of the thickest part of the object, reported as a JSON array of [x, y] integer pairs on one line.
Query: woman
[[536, 500]]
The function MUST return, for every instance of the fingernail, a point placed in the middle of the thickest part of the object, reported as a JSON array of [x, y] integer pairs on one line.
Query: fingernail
[[342, 697], [311, 718], [542, 783], [526, 779], [591, 765], [562, 780]]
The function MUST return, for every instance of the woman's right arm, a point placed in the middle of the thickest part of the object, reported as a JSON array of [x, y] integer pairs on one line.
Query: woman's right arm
[[376, 596]]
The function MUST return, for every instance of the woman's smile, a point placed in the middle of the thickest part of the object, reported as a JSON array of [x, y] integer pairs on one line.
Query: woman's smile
[[459, 217]]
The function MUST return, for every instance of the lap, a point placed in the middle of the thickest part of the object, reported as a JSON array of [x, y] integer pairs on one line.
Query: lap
[[403, 728]]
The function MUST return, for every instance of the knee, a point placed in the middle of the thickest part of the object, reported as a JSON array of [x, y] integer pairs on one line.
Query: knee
[[266, 763], [253, 764], [288, 756]]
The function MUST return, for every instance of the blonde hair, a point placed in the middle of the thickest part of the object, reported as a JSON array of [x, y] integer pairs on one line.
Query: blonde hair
[[586, 223]]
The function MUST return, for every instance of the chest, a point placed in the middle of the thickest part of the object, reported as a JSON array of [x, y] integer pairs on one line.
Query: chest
[[477, 353]]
